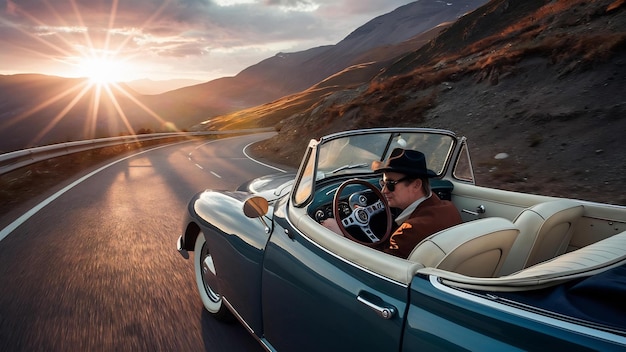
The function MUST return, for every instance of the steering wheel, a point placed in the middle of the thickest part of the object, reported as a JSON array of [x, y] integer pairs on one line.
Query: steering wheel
[[361, 216]]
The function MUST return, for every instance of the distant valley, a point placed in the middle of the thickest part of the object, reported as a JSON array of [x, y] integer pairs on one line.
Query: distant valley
[[150, 87]]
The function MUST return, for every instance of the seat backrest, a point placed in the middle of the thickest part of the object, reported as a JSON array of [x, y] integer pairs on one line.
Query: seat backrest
[[545, 232], [476, 248]]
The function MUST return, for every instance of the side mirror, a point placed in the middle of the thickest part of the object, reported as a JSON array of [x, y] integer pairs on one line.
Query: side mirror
[[255, 207]]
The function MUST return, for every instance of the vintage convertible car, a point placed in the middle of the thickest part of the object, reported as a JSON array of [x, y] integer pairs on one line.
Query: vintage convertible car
[[522, 272]]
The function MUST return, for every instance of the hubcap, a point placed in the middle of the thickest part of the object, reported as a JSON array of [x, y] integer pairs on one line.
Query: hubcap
[[209, 276]]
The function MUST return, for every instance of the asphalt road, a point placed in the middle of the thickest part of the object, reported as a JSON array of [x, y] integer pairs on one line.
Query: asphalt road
[[96, 268]]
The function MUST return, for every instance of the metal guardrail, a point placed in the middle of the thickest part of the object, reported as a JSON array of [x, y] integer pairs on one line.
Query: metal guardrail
[[20, 158]]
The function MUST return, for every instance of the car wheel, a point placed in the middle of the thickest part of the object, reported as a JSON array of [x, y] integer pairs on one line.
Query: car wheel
[[206, 279]]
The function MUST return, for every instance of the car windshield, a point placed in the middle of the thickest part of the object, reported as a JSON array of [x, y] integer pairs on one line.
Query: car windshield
[[346, 153]]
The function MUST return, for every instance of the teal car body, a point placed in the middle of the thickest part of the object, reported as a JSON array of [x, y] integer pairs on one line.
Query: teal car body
[[262, 257]]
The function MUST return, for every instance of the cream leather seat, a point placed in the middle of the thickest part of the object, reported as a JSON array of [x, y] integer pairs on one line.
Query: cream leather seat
[[476, 248], [545, 232]]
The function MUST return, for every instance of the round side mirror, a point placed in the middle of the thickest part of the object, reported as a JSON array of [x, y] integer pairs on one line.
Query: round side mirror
[[255, 207]]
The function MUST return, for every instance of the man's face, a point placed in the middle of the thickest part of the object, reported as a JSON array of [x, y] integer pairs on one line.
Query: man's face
[[405, 191]]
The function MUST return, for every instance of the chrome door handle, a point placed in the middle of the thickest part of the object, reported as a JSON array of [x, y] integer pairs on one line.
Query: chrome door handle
[[383, 312], [479, 210]]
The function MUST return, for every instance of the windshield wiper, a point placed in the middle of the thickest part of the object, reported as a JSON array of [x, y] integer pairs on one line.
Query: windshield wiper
[[347, 167]]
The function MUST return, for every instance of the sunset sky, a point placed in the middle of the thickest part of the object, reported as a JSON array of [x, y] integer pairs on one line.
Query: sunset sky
[[168, 39]]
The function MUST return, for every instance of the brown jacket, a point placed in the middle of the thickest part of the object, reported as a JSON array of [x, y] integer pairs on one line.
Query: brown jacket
[[431, 216]]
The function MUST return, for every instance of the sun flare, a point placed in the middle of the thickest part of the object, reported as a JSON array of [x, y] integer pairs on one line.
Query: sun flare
[[102, 70], [98, 64]]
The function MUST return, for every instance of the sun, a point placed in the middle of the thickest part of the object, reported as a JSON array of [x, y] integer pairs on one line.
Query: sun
[[102, 70]]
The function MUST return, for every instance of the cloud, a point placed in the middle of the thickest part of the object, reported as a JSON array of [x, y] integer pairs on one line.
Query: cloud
[[225, 35]]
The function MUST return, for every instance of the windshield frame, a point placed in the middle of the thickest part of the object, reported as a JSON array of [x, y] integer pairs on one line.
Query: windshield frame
[[359, 148]]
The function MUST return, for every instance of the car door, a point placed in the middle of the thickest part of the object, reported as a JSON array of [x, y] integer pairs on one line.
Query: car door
[[444, 318], [314, 300]]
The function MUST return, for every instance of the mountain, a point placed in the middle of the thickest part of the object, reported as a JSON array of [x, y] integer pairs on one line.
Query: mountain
[[395, 27], [539, 80], [288, 73], [57, 110], [338, 87]]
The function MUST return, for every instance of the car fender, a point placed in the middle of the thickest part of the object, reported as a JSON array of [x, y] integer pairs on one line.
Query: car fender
[[237, 243], [223, 212]]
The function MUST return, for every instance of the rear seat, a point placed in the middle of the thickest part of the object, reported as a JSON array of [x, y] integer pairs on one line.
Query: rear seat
[[545, 232], [591, 257], [586, 261]]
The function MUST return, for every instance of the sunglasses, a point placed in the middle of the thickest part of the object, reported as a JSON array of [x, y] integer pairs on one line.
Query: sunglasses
[[390, 184]]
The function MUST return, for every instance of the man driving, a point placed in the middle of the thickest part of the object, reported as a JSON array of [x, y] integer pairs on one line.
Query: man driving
[[406, 186]]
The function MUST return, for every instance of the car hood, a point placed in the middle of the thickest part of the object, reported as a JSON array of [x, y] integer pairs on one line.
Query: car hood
[[271, 186]]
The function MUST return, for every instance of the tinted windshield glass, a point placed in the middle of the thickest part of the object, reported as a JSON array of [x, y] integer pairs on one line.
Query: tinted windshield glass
[[352, 152], [358, 152], [355, 154]]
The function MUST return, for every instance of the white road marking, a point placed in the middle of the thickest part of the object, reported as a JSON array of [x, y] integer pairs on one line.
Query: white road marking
[[199, 166], [258, 162], [22, 219], [244, 153]]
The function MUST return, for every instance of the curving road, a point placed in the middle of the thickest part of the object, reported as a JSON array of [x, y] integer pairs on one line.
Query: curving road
[[94, 267]]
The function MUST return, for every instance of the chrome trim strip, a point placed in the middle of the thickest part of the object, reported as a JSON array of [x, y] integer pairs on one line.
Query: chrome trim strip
[[386, 130], [583, 330], [236, 314], [264, 343]]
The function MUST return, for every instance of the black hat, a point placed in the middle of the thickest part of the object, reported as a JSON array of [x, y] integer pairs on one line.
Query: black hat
[[408, 162]]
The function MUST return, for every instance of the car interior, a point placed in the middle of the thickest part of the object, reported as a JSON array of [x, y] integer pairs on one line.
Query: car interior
[[514, 241]]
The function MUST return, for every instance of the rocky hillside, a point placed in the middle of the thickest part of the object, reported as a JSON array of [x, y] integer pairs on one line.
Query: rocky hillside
[[542, 81]]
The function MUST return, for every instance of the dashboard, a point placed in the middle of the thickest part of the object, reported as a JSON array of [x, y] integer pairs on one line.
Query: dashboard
[[326, 211], [355, 198]]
